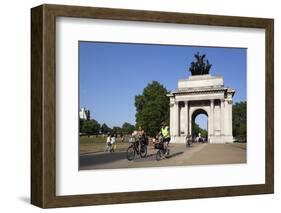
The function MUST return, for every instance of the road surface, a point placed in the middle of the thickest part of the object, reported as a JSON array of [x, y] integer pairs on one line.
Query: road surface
[[197, 154]]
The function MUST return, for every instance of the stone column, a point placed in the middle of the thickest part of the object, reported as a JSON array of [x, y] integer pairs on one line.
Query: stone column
[[230, 117], [222, 117], [226, 118], [176, 119], [187, 118], [211, 123], [189, 121], [171, 117]]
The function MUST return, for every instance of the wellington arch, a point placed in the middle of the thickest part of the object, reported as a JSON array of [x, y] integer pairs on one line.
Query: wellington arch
[[201, 94]]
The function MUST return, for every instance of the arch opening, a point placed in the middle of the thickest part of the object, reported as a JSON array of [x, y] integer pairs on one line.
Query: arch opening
[[199, 128]]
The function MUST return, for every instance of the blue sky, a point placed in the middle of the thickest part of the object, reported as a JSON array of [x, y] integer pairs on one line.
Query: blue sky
[[112, 74]]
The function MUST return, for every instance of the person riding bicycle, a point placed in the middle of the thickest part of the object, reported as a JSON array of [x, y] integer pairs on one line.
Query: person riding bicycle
[[108, 142], [113, 142], [165, 132], [141, 138]]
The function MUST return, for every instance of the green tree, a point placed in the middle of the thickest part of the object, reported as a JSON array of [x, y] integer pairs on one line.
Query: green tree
[[239, 121], [105, 129], [116, 130], [128, 128], [196, 129], [152, 108], [81, 123], [96, 127], [90, 127]]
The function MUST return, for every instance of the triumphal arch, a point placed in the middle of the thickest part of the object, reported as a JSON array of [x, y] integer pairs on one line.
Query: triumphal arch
[[201, 93]]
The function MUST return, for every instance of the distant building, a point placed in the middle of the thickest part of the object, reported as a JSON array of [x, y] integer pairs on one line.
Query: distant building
[[84, 114]]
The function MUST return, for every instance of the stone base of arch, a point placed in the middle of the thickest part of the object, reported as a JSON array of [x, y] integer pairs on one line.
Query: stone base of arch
[[221, 139], [211, 139]]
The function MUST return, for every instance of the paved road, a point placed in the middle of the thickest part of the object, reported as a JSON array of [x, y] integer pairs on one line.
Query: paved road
[[198, 154]]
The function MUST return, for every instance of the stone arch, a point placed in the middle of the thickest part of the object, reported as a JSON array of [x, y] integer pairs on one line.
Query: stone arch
[[206, 94]]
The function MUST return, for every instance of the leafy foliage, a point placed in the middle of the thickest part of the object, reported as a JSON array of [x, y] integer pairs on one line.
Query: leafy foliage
[[117, 130], [239, 121], [196, 129], [128, 128], [152, 108], [105, 129], [92, 127], [89, 127]]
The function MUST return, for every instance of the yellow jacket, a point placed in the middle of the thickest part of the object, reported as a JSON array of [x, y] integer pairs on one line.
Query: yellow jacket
[[165, 132]]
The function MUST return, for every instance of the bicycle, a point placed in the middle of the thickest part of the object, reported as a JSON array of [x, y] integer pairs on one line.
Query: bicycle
[[189, 141], [109, 147], [162, 151], [134, 148]]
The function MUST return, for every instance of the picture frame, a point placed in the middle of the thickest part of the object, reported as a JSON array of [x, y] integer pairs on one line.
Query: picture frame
[[43, 105]]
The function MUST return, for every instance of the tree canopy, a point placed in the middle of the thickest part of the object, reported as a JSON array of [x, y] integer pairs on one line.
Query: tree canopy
[[89, 127], [92, 127], [128, 128], [196, 129], [105, 129], [152, 108], [117, 130], [239, 121]]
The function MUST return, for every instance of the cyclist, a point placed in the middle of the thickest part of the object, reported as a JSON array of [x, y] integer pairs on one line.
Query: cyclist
[[108, 142], [113, 142], [141, 138], [165, 132]]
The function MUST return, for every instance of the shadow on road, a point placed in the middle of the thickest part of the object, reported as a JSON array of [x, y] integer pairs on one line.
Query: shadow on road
[[88, 160], [149, 157], [102, 158], [239, 146], [175, 154], [152, 157]]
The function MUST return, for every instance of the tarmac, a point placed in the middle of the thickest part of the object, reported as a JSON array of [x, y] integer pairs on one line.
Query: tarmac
[[180, 155]]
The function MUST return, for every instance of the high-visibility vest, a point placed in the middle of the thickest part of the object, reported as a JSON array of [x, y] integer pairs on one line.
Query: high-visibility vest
[[165, 132]]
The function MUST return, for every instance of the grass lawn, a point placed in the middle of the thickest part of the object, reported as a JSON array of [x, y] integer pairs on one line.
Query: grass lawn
[[94, 144]]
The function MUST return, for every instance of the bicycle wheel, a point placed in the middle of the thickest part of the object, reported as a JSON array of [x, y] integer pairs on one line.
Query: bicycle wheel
[[159, 155], [143, 151], [107, 148], [167, 153], [131, 153]]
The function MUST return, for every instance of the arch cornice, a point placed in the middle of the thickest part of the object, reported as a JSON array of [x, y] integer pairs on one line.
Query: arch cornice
[[227, 91]]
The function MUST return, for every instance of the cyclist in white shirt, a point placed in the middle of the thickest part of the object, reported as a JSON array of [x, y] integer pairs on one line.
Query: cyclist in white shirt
[[113, 142], [108, 142]]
